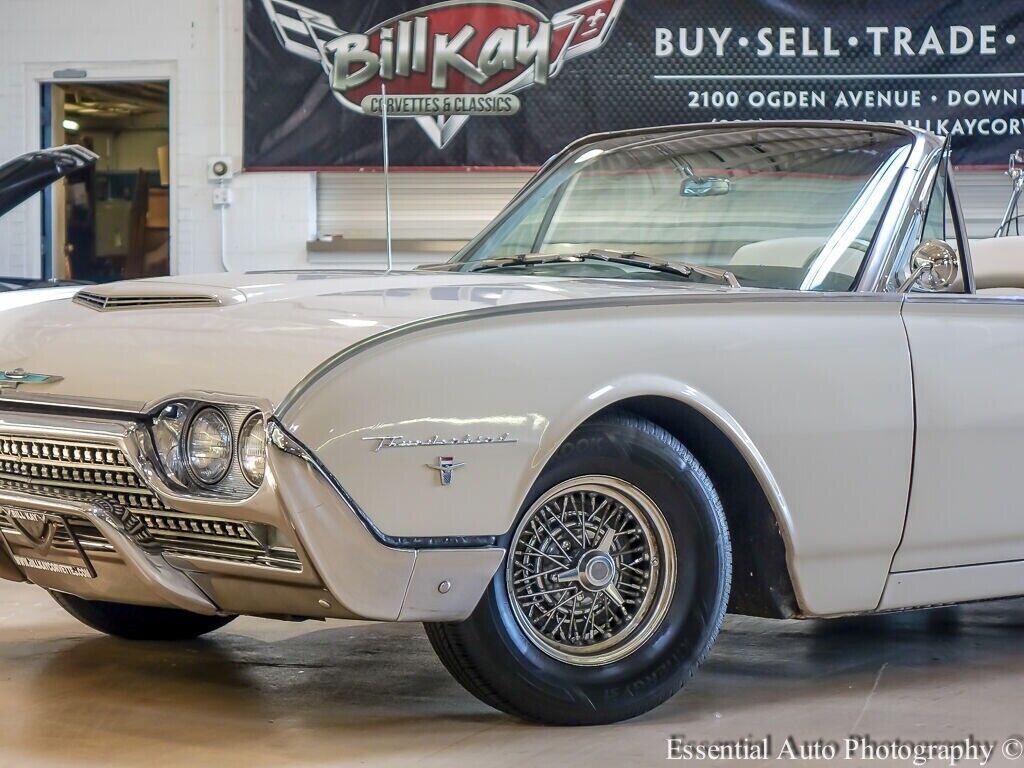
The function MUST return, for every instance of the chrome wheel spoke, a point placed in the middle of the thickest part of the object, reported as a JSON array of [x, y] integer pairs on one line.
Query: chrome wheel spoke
[[571, 575], [612, 591]]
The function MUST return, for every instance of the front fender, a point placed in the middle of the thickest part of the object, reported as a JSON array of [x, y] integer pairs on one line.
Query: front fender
[[822, 413]]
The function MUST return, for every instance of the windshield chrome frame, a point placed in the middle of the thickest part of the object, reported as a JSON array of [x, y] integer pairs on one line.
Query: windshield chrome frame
[[911, 189]]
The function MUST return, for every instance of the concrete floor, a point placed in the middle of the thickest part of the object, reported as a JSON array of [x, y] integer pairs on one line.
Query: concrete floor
[[269, 693]]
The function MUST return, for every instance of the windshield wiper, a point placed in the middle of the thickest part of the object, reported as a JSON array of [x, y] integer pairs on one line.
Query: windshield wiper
[[500, 262], [681, 268], [684, 268], [526, 259]]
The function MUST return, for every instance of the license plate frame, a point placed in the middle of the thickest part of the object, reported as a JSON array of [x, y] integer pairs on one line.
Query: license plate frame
[[41, 530]]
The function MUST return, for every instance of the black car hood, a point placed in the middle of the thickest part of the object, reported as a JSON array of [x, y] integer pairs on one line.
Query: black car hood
[[23, 176]]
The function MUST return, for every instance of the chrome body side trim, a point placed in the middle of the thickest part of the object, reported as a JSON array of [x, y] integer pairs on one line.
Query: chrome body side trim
[[952, 585], [962, 298], [282, 439], [345, 547]]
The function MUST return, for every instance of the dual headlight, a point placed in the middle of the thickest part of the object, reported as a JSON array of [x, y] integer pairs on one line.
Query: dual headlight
[[211, 446]]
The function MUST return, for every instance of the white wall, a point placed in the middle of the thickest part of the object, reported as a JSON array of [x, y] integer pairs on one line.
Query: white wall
[[272, 215]]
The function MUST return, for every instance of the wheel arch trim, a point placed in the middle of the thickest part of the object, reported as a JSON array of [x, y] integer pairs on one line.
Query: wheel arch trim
[[620, 393]]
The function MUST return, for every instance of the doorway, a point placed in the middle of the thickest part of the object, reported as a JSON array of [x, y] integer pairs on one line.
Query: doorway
[[110, 222]]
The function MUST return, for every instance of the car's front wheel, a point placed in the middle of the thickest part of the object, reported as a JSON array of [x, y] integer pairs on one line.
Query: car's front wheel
[[614, 587], [139, 622]]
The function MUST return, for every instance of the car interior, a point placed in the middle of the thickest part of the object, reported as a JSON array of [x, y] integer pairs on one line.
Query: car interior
[[998, 264]]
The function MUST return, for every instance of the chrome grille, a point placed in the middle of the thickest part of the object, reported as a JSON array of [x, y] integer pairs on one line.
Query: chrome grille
[[197, 526], [105, 303], [97, 469], [86, 470]]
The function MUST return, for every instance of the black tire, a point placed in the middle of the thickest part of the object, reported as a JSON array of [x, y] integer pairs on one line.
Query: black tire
[[139, 622], [495, 660]]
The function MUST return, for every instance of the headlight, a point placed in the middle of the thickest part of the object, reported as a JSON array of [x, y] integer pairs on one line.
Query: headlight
[[208, 446], [252, 449]]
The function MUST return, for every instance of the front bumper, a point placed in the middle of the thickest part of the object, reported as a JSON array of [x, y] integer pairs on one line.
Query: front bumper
[[334, 565]]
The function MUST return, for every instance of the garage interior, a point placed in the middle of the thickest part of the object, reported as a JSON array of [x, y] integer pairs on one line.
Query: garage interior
[[156, 89], [111, 222]]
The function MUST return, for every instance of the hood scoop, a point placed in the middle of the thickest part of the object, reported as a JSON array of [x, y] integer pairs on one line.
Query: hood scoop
[[157, 295], [102, 303]]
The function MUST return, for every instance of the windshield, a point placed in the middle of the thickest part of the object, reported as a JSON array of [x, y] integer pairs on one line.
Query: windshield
[[778, 207]]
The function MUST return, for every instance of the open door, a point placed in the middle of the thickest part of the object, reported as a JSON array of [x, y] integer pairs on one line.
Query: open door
[[112, 221]]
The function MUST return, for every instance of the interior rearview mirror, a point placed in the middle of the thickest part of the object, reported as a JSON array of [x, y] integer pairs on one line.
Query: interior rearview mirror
[[705, 186], [934, 266]]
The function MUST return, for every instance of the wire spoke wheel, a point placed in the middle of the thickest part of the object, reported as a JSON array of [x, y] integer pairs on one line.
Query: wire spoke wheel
[[614, 585], [591, 570]]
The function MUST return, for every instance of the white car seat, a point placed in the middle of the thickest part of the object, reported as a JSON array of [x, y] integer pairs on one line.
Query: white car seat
[[998, 265]]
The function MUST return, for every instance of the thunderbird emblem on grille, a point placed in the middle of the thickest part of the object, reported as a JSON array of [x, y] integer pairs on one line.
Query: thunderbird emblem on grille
[[17, 377]]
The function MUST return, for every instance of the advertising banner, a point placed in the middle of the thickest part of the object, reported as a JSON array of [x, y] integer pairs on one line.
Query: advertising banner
[[503, 83]]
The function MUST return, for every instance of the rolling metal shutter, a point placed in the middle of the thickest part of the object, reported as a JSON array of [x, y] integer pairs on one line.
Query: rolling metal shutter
[[983, 196], [425, 205]]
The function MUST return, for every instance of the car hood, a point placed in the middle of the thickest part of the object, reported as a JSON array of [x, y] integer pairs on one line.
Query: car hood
[[23, 176], [256, 334]]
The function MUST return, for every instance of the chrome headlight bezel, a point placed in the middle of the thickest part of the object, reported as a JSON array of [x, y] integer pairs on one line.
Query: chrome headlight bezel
[[167, 431], [169, 427]]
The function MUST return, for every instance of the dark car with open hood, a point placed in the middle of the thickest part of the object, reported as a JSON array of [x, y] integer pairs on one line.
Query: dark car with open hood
[[28, 174]]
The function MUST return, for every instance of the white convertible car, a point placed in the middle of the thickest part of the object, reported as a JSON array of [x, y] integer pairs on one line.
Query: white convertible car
[[752, 367]]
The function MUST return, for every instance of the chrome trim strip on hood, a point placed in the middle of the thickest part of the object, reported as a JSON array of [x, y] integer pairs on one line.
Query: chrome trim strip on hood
[[83, 405]]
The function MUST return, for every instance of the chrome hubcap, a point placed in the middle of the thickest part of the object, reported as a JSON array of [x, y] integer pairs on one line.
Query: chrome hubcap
[[591, 570], [596, 571]]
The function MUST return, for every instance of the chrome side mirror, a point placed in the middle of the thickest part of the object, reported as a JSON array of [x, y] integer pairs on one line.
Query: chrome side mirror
[[934, 266]]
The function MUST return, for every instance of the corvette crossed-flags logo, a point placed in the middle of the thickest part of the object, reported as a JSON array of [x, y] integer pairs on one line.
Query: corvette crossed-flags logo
[[470, 48]]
